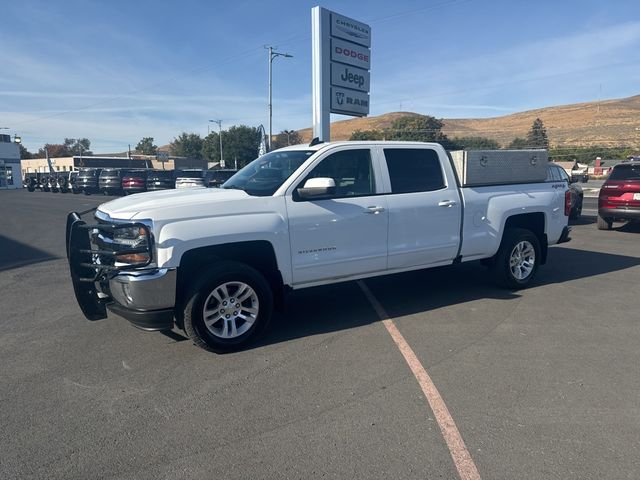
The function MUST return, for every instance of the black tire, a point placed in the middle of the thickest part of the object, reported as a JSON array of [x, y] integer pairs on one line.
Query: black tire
[[221, 273], [501, 268], [604, 223], [577, 211]]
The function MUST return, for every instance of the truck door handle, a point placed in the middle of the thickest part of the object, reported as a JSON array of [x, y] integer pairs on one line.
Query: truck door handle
[[373, 210], [447, 203]]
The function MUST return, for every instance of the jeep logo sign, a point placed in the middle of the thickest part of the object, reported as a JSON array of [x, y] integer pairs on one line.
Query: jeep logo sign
[[350, 54], [349, 77]]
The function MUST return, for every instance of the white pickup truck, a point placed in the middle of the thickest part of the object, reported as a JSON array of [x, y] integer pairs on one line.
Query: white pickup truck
[[216, 262]]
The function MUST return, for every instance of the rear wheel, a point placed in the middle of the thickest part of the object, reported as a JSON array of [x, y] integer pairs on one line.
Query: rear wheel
[[516, 262], [604, 223], [228, 307]]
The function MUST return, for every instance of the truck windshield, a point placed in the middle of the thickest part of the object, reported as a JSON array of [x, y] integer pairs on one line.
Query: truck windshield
[[266, 174]]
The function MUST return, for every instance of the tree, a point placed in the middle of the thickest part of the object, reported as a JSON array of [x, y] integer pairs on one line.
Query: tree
[[367, 135], [211, 147], [537, 136], [77, 146], [240, 143], [519, 143], [421, 128], [55, 150], [286, 138], [146, 146], [477, 143], [187, 145], [24, 153]]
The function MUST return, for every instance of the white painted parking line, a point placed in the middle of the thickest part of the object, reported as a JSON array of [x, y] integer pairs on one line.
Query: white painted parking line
[[462, 460]]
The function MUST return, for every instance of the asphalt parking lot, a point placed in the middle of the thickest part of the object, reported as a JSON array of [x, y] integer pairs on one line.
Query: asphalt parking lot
[[541, 383]]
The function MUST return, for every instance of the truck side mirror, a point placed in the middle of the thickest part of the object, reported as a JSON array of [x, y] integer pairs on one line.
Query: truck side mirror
[[316, 188]]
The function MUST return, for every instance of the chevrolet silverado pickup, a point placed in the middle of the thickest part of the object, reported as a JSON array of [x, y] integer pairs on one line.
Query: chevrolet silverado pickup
[[216, 262]]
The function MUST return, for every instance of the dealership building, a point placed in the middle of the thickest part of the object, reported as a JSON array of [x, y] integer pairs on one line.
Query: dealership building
[[10, 176]]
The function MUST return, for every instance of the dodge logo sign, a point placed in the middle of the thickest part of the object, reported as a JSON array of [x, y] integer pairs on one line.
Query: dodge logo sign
[[350, 53]]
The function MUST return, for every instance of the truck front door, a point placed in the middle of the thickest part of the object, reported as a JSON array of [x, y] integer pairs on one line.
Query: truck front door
[[344, 234]]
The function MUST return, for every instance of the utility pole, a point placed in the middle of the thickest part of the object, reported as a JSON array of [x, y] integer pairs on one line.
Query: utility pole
[[219, 122], [272, 54]]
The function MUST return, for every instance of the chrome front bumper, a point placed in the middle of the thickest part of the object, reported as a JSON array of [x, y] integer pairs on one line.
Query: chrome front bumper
[[145, 289]]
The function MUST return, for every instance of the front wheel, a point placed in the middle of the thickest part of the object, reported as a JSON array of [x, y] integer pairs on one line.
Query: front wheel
[[228, 307], [516, 262]]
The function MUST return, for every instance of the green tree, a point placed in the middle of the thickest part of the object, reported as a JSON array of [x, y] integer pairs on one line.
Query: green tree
[[24, 153], [286, 138], [367, 135], [77, 146], [240, 143], [421, 128], [537, 136], [211, 147], [477, 143], [146, 146], [519, 143], [187, 145]]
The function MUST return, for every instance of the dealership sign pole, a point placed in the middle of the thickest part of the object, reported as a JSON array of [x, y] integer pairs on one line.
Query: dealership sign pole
[[341, 60]]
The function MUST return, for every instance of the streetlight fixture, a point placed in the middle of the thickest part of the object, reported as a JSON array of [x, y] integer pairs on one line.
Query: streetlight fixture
[[272, 54], [219, 122], [208, 125]]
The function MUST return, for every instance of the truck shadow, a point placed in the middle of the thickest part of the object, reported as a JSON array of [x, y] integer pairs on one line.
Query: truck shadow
[[14, 254], [333, 308]]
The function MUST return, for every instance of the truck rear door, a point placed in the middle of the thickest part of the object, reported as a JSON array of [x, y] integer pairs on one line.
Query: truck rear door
[[424, 205]]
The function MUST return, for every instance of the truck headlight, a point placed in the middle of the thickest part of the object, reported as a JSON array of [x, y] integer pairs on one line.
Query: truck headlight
[[132, 238]]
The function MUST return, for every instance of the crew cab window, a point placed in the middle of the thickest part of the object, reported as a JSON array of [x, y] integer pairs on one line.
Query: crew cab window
[[553, 174], [414, 170], [350, 169]]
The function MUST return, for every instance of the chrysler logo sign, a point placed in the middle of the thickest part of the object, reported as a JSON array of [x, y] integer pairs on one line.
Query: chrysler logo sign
[[349, 29]]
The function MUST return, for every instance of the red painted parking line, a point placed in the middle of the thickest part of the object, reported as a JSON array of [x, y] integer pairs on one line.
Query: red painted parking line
[[461, 458]]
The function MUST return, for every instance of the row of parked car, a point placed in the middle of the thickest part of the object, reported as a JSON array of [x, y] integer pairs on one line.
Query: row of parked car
[[122, 181]]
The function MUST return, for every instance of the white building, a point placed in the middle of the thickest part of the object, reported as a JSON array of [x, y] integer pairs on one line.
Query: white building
[[10, 176]]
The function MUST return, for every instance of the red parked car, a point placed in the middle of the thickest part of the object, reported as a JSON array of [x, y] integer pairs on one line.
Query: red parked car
[[134, 181], [619, 197]]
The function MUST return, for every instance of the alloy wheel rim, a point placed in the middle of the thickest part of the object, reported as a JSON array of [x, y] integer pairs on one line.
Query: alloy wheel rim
[[522, 260], [230, 310]]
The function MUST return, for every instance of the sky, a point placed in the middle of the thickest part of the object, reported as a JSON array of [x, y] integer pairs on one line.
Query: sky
[[117, 71]]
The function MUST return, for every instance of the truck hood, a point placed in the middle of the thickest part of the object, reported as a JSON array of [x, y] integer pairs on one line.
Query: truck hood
[[153, 204]]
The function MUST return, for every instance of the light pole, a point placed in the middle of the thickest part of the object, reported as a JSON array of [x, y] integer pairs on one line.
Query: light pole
[[208, 125], [272, 55], [219, 122]]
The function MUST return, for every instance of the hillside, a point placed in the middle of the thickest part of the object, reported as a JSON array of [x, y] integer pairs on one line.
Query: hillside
[[606, 123]]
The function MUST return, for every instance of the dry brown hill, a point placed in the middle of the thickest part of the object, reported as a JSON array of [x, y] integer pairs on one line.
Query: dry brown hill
[[607, 123]]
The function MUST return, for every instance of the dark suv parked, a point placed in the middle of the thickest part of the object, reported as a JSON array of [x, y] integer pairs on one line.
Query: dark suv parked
[[134, 181], [161, 180], [110, 181], [619, 197], [87, 180], [215, 178], [73, 182]]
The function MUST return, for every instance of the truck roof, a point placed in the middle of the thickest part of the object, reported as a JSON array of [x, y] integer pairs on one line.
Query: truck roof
[[387, 143]]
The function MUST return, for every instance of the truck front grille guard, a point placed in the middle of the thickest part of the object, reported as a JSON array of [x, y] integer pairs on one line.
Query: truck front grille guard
[[89, 264]]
